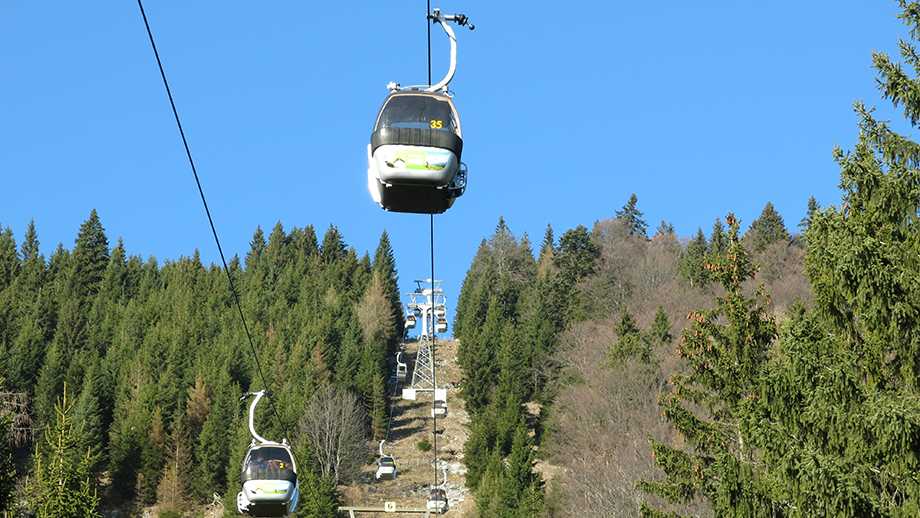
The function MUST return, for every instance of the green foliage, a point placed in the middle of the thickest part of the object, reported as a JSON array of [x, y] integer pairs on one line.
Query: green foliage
[[632, 217], [424, 444], [7, 468], [725, 361], [631, 343], [838, 446], [660, 333], [512, 489], [690, 265], [813, 208], [862, 257], [766, 230], [665, 229], [62, 486], [159, 357]]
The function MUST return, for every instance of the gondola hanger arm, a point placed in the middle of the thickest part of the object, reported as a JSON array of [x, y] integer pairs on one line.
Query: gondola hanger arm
[[460, 19]]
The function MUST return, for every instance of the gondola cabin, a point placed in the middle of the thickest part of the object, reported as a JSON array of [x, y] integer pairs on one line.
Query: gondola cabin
[[437, 499], [386, 468], [410, 322], [269, 481], [441, 325], [402, 370], [414, 154], [439, 409]]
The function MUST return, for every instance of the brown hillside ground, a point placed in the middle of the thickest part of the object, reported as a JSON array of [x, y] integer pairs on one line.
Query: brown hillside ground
[[410, 423]]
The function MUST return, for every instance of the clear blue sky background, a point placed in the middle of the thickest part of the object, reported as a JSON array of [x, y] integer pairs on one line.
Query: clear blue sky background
[[699, 108]]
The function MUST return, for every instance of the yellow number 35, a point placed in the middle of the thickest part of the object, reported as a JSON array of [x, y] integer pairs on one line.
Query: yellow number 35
[[436, 124]]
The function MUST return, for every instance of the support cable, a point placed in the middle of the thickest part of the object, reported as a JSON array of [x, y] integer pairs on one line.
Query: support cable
[[233, 290], [431, 324]]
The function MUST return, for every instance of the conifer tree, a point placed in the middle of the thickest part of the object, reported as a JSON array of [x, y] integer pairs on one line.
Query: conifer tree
[[813, 208], [862, 256], [766, 230], [660, 333], [90, 257], [631, 343], [9, 258], [665, 229], [690, 261], [62, 487], [632, 217], [333, 248], [549, 242], [7, 468], [720, 464], [384, 269], [717, 242]]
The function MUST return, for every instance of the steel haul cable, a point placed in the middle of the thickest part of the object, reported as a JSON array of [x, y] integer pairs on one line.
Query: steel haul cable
[[191, 162]]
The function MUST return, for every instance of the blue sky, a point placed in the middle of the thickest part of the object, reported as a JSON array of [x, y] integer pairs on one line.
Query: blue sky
[[699, 108]]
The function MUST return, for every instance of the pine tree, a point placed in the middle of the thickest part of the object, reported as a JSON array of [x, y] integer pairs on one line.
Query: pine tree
[[690, 261], [665, 229], [632, 217], [717, 242], [725, 360], [9, 258], [766, 230], [813, 208], [660, 333], [62, 487], [7, 468]]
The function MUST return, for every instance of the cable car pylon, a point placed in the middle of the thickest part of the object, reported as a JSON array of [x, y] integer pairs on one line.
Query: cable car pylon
[[429, 303]]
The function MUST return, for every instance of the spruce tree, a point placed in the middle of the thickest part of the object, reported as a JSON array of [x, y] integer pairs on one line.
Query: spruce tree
[[62, 487], [7, 468], [9, 258], [660, 333], [632, 217], [690, 261], [766, 230], [90, 257], [665, 229], [813, 208], [716, 239], [719, 464]]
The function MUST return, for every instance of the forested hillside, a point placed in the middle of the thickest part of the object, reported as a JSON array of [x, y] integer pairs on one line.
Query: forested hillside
[[753, 372], [133, 370], [754, 369]]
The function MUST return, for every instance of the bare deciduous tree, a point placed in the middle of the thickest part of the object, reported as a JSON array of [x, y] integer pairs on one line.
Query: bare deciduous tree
[[21, 430], [336, 425]]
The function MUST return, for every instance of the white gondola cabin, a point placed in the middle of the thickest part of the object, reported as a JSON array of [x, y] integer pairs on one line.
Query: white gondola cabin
[[402, 369], [437, 500], [386, 465], [269, 475], [439, 409], [414, 155]]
